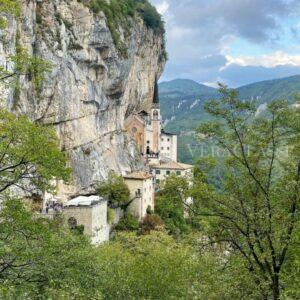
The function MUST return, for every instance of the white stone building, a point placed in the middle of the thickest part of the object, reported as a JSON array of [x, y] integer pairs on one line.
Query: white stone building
[[168, 146], [141, 189], [91, 212], [164, 169]]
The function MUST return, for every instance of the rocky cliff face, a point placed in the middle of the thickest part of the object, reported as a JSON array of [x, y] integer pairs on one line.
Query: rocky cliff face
[[91, 89]]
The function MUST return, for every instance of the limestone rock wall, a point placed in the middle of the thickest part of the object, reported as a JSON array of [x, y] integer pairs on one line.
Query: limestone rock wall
[[91, 89]]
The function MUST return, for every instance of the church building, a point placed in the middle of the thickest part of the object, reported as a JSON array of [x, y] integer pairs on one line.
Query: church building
[[153, 142]]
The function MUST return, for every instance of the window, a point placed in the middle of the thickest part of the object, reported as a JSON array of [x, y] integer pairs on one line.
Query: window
[[178, 173], [157, 172], [148, 142], [155, 114], [168, 172], [134, 129], [168, 140], [162, 148], [162, 140], [158, 181], [168, 148]]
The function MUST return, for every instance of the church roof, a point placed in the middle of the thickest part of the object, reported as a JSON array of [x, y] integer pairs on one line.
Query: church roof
[[172, 165], [138, 175], [156, 94]]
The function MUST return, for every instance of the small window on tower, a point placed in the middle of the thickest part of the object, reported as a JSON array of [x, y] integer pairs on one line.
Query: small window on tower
[[148, 142], [168, 140], [155, 114], [134, 129]]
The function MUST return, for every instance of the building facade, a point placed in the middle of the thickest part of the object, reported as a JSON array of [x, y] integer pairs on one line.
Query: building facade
[[91, 212], [164, 169], [146, 129], [141, 189]]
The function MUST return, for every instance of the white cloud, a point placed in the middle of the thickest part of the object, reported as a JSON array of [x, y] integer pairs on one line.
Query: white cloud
[[162, 7], [213, 84], [278, 58]]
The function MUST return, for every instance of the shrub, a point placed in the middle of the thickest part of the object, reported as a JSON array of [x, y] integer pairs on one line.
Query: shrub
[[114, 189], [150, 223], [110, 216], [149, 210], [128, 223]]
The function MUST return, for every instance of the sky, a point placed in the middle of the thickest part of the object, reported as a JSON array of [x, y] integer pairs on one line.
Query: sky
[[235, 42]]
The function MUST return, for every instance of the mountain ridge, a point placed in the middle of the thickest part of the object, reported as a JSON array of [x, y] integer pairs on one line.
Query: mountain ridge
[[183, 100]]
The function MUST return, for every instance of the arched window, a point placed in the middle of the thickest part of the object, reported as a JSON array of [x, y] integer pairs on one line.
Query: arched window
[[148, 150], [155, 114], [72, 222]]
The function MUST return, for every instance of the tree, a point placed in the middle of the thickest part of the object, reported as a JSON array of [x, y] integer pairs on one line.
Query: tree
[[128, 223], [255, 213], [29, 154], [147, 267], [115, 190], [169, 204], [42, 258]]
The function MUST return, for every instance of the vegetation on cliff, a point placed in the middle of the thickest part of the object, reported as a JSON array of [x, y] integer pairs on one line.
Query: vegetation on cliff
[[121, 13]]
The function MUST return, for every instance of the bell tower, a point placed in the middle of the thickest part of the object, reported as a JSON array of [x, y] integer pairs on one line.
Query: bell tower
[[156, 119]]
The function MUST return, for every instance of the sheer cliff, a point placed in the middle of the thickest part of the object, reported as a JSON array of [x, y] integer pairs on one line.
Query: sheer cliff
[[93, 86]]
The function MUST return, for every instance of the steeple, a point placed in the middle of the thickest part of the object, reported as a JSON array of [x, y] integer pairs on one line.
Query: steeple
[[156, 95]]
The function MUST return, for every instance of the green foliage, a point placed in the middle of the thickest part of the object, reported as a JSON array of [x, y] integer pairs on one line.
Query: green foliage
[[29, 154], [255, 213], [32, 66], [110, 216], [128, 223], [41, 259], [9, 7], [147, 267], [151, 223], [156, 266], [169, 204], [150, 16], [149, 210], [114, 189]]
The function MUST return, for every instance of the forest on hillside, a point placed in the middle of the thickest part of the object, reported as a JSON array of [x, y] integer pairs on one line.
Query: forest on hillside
[[238, 239]]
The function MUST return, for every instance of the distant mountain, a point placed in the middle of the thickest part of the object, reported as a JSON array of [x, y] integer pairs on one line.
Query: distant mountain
[[185, 87], [266, 91], [182, 105]]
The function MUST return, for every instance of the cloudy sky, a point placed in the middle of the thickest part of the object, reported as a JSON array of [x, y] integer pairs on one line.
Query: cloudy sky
[[232, 41]]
